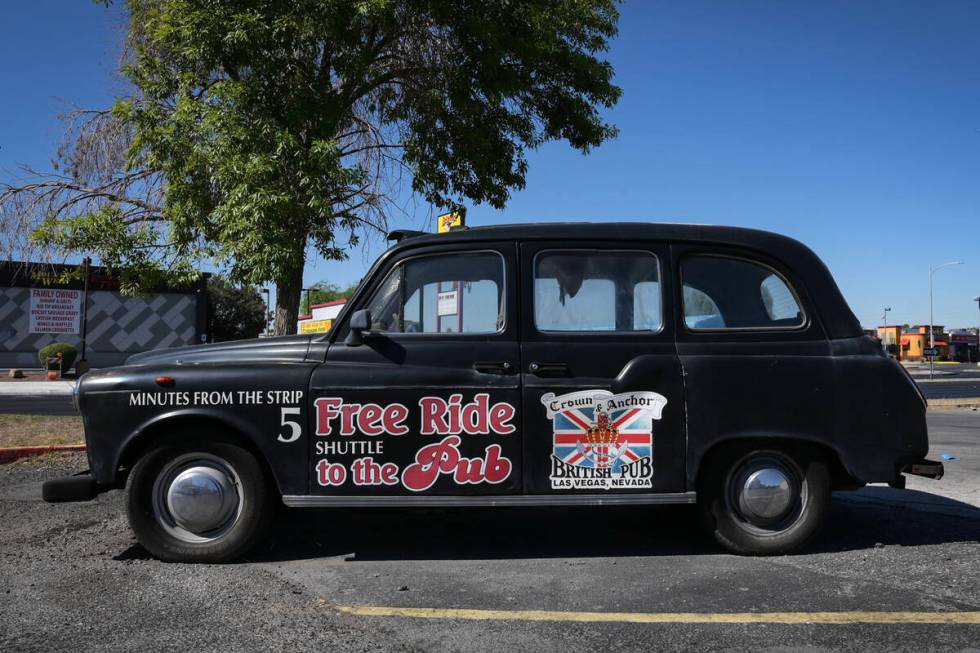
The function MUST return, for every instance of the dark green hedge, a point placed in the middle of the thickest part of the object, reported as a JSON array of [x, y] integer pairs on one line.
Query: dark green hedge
[[68, 354]]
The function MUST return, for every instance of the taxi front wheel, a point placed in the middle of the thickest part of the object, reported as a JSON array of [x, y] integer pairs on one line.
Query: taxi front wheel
[[199, 501], [764, 501]]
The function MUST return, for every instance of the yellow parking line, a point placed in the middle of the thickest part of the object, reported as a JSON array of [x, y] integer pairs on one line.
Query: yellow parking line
[[671, 617]]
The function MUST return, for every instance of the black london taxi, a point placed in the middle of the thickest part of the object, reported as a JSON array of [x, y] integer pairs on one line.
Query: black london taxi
[[521, 365]]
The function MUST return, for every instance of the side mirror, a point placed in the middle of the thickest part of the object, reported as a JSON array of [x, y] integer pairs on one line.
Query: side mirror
[[360, 322]]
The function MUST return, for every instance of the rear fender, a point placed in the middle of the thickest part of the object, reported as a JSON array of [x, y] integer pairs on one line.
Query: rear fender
[[841, 476]]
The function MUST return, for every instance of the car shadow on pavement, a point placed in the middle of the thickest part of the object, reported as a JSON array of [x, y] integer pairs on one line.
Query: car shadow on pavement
[[880, 515], [871, 517]]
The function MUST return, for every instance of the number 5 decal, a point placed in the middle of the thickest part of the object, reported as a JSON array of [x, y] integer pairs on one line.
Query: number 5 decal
[[295, 429]]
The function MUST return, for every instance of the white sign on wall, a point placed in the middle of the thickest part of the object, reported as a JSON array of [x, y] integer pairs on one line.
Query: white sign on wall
[[55, 310], [448, 303]]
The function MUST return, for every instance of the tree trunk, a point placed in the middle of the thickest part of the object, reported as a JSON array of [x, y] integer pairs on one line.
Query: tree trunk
[[288, 291]]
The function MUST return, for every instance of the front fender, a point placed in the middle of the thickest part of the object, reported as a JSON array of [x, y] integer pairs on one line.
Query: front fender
[[124, 408], [159, 427]]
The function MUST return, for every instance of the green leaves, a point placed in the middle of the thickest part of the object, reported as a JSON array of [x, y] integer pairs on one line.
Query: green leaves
[[282, 127], [325, 291], [133, 250], [234, 313]]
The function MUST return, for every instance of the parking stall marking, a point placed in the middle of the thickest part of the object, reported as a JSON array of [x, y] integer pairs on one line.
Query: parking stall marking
[[851, 617]]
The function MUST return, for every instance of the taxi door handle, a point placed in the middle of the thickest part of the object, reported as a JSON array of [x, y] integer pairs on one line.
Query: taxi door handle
[[549, 369], [493, 367]]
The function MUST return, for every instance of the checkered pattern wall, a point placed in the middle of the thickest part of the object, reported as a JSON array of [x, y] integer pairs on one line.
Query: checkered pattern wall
[[117, 326]]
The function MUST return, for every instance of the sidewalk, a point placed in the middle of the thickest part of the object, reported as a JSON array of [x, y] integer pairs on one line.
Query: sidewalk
[[37, 388]]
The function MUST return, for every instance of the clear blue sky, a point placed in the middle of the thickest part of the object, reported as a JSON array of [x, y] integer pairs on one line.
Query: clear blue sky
[[853, 126]]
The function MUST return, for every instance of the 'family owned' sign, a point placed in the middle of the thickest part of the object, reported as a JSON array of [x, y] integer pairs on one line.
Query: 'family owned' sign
[[55, 310]]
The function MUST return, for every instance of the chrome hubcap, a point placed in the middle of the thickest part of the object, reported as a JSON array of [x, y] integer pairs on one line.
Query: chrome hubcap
[[201, 499], [197, 497], [766, 494]]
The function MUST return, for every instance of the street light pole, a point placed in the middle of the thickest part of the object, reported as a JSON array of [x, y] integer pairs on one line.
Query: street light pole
[[932, 339], [884, 323]]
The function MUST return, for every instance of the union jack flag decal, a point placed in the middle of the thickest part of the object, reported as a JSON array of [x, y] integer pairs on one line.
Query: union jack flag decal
[[597, 430]]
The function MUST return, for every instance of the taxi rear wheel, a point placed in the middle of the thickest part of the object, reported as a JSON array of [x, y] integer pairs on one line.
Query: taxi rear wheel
[[762, 501], [199, 501]]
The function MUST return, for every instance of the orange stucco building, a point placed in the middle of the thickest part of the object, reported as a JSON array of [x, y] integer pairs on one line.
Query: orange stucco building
[[910, 342]]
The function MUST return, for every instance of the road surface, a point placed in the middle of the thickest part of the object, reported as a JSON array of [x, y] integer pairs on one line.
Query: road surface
[[585, 579]]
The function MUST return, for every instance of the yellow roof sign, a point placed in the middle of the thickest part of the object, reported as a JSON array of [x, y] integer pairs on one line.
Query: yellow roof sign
[[449, 221]]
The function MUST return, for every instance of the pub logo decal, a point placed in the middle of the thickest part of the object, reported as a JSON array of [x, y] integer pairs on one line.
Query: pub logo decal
[[602, 441]]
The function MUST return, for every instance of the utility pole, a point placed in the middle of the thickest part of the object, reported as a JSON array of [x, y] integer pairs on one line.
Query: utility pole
[[86, 270], [884, 323], [932, 339]]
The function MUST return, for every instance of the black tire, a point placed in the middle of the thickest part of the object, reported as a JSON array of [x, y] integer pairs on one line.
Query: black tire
[[158, 530], [739, 530]]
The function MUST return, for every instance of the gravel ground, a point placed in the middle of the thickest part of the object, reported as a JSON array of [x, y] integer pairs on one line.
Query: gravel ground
[[73, 578]]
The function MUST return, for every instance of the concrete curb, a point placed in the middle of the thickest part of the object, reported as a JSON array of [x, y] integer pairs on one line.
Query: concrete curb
[[966, 402], [10, 454], [36, 388]]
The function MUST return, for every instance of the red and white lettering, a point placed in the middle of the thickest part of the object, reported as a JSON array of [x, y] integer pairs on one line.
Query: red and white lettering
[[329, 474], [478, 417], [433, 416], [326, 411], [367, 472], [429, 462], [468, 470], [475, 415], [369, 419], [493, 469], [500, 416], [453, 409], [348, 413], [497, 468], [392, 419], [444, 458]]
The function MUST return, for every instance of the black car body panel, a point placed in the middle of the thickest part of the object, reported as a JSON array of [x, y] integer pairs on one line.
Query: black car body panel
[[493, 413], [283, 348], [125, 411]]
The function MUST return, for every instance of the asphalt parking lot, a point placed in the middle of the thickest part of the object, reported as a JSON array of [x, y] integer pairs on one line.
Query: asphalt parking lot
[[73, 578]]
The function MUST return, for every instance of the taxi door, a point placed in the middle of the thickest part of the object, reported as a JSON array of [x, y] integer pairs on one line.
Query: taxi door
[[602, 385], [428, 403]]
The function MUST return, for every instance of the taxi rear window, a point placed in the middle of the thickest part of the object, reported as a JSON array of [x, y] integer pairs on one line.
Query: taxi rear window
[[724, 293]]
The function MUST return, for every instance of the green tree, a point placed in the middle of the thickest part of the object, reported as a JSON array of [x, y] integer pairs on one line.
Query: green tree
[[234, 313], [274, 129], [326, 291]]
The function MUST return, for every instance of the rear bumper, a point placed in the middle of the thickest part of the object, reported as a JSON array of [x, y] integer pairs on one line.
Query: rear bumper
[[924, 467], [80, 487]]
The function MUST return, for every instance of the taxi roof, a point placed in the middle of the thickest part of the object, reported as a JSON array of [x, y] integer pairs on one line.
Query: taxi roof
[[657, 231], [838, 319]]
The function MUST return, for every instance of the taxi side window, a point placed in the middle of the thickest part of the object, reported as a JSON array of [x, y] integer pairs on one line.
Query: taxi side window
[[596, 291], [728, 293], [443, 293]]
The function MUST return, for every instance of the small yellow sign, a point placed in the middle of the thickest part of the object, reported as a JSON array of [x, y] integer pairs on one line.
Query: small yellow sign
[[315, 326], [449, 221]]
